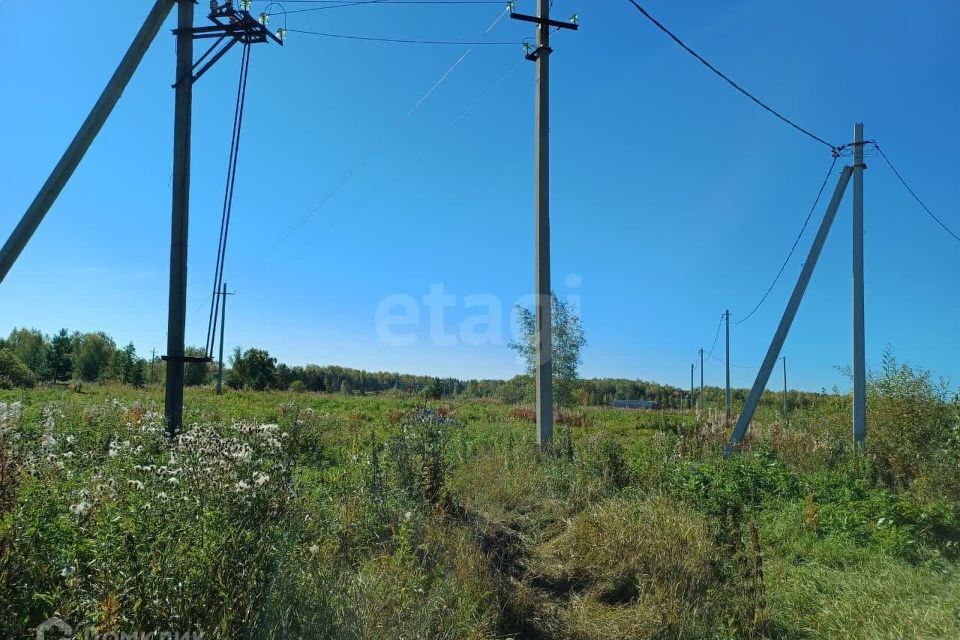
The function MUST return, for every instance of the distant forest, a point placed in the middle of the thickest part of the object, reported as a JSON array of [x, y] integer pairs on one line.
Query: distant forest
[[28, 357]]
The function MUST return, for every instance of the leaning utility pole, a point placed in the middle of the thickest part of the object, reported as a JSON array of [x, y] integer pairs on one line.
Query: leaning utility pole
[[773, 352], [85, 135], [176, 317], [859, 357], [542, 288], [701, 379], [786, 412], [726, 315]]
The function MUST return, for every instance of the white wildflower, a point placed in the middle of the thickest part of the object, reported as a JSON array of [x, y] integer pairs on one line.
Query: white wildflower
[[314, 549], [260, 479], [136, 484], [81, 508], [242, 486], [68, 571]]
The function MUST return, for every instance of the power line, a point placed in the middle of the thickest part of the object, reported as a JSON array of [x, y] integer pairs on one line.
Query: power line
[[713, 346], [659, 25], [402, 40], [813, 208], [338, 4], [914, 193], [375, 150]]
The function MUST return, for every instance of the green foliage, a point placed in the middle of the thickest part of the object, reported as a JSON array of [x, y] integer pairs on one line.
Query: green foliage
[[30, 347], [61, 356], [92, 354], [196, 374], [568, 341], [253, 369], [13, 372]]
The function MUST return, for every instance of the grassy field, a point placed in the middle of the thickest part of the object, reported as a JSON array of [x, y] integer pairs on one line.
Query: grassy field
[[280, 515]]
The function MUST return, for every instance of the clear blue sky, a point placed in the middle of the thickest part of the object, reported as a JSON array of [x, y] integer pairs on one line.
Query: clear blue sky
[[673, 197]]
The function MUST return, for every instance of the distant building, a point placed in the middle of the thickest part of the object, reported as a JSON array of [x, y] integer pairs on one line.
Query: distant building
[[636, 404]]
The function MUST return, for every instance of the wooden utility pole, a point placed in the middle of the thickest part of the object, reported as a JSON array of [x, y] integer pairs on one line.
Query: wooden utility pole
[[859, 355], [726, 315], [542, 287], [84, 138], [773, 352], [176, 318]]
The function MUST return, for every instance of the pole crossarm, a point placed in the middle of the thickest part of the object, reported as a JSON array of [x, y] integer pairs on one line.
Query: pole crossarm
[[545, 23], [230, 26]]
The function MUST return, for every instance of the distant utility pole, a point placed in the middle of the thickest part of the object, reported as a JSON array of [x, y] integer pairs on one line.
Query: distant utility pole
[[223, 322], [786, 411], [543, 338], [701, 379], [859, 357], [153, 366], [691, 385], [726, 315]]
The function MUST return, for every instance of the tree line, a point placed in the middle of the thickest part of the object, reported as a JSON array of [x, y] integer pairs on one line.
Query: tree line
[[28, 357]]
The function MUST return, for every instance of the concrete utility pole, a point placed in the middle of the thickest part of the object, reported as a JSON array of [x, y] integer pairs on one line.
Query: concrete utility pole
[[859, 357], [542, 284], [543, 338], [85, 135], [786, 411], [773, 352], [223, 322], [176, 318], [691, 385], [726, 315], [701, 379]]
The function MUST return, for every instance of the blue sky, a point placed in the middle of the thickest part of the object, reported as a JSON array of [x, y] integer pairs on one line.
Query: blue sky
[[673, 197]]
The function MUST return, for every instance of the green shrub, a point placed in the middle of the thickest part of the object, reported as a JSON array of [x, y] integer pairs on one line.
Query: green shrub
[[14, 373]]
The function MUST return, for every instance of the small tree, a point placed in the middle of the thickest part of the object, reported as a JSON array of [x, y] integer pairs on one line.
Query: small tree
[[567, 341], [13, 372], [61, 356], [196, 374]]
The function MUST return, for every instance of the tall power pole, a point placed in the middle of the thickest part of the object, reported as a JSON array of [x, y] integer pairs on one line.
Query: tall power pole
[[726, 315], [701, 379], [691, 384], [176, 318], [543, 338], [786, 410], [859, 357]]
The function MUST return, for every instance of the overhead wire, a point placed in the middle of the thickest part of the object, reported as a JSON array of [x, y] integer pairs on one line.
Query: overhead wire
[[228, 198], [338, 4], [401, 40], [833, 148], [360, 164], [914, 194], [803, 228]]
